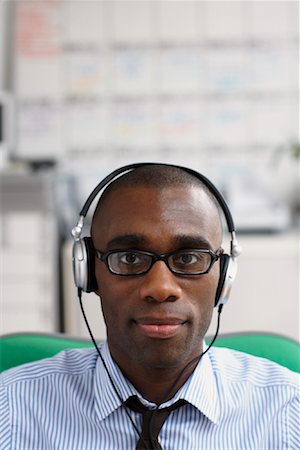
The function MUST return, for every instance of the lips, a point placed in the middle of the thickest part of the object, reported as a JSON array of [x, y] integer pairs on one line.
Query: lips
[[162, 328]]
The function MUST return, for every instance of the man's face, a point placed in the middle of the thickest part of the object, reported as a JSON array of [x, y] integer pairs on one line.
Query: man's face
[[158, 319]]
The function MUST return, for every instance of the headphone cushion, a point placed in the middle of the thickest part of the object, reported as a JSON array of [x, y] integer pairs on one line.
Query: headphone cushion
[[224, 262], [90, 252]]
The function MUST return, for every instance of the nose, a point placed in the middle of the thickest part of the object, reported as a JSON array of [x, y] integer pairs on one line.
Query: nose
[[160, 284]]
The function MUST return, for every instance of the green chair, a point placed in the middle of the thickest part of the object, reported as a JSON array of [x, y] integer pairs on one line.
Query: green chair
[[19, 348], [282, 350]]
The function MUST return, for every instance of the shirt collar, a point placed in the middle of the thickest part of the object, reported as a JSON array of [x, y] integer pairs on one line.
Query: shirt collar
[[200, 390], [106, 397]]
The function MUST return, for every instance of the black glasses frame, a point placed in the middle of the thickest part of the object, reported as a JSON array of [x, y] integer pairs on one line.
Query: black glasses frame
[[214, 256]]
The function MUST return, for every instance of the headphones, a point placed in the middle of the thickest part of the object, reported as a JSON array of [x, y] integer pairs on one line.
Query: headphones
[[83, 250]]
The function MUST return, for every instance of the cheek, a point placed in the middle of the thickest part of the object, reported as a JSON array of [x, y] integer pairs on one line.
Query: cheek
[[113, 295], [106, 295], [100, 275], [112, 310], [206, 287], [103, 277], [213, 281], [203, 295]]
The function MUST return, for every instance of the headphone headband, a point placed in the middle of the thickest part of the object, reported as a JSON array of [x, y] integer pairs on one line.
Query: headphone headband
[[130, 167], [83, 248]]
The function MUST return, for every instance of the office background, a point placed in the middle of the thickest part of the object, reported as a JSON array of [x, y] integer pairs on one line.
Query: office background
[[87, 86]]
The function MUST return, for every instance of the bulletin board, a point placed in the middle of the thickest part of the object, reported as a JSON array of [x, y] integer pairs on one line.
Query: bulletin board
[[196, 78]]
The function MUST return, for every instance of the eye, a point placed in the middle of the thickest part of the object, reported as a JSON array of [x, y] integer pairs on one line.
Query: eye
[[128, 262], [191, 260], [131, 258], [187, 258]]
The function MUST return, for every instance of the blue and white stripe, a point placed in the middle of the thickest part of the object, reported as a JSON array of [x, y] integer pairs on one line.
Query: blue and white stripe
[[236, 402]]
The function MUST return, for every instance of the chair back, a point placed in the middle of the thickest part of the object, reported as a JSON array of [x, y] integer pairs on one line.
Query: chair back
[[275, 347], [20, 348]]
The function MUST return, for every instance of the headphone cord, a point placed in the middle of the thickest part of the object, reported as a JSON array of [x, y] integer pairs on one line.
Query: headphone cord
[[79, 293], [165, 397]]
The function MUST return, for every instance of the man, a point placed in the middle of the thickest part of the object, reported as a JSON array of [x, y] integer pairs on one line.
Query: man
[[157, 237]]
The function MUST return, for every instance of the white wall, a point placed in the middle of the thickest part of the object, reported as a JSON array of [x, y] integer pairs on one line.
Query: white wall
[[2, 44]]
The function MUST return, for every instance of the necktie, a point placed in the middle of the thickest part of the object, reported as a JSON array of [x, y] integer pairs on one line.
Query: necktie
[[159, 418]]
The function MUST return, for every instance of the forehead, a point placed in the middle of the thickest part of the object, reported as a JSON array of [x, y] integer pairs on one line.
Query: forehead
[[157, 215]]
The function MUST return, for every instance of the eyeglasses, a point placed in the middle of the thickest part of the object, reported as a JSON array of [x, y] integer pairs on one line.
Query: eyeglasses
[[181, 262]]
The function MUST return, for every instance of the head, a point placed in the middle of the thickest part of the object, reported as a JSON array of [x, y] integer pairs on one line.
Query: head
[[157, 319]]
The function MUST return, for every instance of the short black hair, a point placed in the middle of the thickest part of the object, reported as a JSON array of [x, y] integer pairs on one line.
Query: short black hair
[[157, 176]]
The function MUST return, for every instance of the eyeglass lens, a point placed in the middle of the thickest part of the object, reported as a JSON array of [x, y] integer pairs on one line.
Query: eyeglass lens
[[136, 262]]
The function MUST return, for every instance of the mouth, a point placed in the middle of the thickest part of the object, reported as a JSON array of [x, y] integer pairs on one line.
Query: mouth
[[162, 328]]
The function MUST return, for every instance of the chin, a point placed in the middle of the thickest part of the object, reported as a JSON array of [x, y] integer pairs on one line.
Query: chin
[[166, 358]]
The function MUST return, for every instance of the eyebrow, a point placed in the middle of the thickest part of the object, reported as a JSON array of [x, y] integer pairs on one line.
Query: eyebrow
[[183, 241], [127, 239], [192, 241]]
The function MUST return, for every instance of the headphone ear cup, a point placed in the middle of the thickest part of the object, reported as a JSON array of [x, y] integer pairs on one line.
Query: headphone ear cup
[[228, 270], [84, 264], [91, 276], [224, 262]]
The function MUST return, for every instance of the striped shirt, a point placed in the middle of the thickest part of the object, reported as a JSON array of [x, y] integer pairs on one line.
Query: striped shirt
[[235, 402]]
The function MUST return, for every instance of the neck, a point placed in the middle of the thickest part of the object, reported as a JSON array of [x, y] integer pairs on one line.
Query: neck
[[158, 385]]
